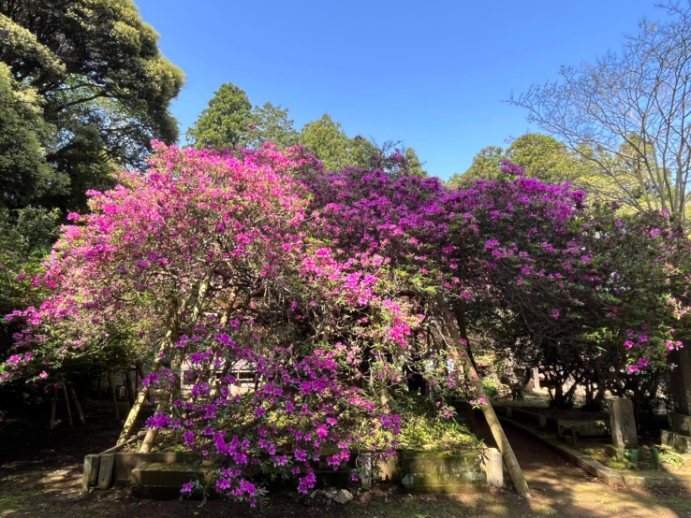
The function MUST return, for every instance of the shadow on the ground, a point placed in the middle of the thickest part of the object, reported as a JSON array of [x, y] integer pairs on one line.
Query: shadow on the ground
[[45, 480], [559, 488]]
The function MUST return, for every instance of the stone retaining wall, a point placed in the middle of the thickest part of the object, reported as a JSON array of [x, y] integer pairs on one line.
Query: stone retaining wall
[[424, 471]]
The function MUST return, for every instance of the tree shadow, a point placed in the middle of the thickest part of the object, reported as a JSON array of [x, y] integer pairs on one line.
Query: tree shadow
[[48, 483], [560, 488]]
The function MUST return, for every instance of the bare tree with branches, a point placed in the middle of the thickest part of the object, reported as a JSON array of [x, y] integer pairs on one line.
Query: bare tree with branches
[[629, 113]]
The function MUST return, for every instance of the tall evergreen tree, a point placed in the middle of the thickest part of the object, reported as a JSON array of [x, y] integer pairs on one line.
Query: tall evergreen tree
[[105, 87]]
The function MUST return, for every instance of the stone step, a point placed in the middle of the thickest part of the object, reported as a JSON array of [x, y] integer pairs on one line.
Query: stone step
[[678, 441], [160, 480]]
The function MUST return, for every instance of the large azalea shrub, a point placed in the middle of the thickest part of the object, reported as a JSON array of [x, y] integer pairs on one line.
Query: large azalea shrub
[[329, 289]]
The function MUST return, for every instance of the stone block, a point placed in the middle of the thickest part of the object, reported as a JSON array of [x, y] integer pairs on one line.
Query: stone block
[[90, 473], [387, 469], [680, 423], [365, 467], [163, 474], [622, 423], [680, 442], [125, 462], [105, 470], [494, 467], [680, 380], [440, 471], [161, 480]]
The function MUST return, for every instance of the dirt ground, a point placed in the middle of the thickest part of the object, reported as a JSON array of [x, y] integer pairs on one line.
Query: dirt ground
[[47, 483]]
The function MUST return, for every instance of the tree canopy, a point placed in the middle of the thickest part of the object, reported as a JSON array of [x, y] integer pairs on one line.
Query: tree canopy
[[224, 122], [25, 139], [326, 139], [103, 86], [230, 121], [541, 156], [632, 106]]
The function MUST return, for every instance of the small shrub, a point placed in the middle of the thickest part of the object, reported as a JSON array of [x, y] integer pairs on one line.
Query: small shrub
[[667, 455], [424, 428]]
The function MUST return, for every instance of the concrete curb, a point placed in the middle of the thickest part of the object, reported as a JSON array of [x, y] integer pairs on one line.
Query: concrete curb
[[609, 476]]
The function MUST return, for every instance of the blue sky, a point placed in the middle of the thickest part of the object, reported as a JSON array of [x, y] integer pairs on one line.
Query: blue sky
[[431, 75]]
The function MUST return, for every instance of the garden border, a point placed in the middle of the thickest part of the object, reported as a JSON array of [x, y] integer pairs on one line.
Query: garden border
[[117, 469], [609, 476]]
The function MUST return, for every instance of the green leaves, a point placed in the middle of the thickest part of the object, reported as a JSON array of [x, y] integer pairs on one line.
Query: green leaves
[[32, 60], [24, 137], [326, 139], [102, 91], [225, 122], [230, 121], [542, 157], [25, 238]]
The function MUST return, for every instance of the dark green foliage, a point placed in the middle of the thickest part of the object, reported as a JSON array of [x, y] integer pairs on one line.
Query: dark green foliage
[[327, 140], [83, 90], [225, 122], [103, 85], [230, 121], [24, 172], [26, 236]]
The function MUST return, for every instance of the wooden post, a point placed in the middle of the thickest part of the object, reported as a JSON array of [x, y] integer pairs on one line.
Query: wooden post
[[90, 472], [105, 471], [495, 427], [119, 447], [152, 433], [67, 404], [53, 409], [111, 382], [163, 348], [143, 393], [128, 388], [132, 416], [149, 440], [202, 289], [494, 468], [77, 405]]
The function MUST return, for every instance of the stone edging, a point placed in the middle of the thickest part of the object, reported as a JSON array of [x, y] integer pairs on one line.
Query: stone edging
[[429, 471], [608, 475]]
